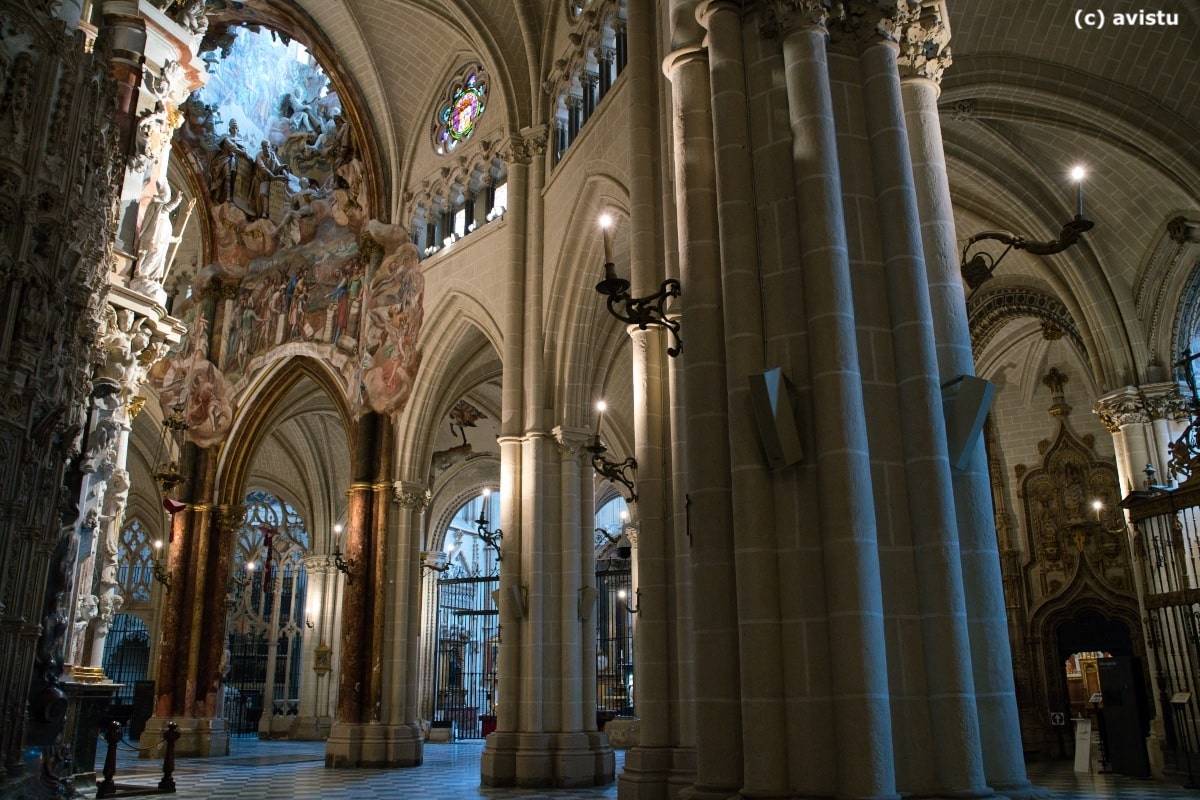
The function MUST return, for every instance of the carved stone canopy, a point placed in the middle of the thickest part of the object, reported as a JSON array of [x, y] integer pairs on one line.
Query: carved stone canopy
[[1072, 513]]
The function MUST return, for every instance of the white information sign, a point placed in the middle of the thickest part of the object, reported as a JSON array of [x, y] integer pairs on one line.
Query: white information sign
[[1083, 744]]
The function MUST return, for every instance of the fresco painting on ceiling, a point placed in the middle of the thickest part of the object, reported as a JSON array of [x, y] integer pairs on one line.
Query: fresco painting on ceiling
[[291, 222]]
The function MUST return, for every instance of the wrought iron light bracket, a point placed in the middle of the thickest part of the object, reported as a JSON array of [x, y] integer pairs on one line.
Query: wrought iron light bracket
[[491, 538], [343, 566], [641, 311], [636, 606], [1185, 451], [979, 268], [160, 573], [622, 472]]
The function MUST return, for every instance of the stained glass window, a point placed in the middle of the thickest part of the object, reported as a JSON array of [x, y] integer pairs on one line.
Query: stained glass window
[[134, 572], [459, 113]]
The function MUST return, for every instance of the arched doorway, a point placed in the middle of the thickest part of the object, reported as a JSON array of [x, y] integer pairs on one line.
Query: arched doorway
[[467, 630], [266, 617], [1096, 670], [616, 605]]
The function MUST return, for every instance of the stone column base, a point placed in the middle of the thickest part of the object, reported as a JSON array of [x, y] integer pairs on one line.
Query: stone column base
[[198, 736], [656, 773], [310, 729], [560, 760], [374, 744]]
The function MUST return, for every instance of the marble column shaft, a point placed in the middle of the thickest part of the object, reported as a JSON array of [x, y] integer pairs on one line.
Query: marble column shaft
[[931, 513], [858, 660], [991, 656]]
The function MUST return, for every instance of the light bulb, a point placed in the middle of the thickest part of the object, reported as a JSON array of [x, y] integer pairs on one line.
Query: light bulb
[[606, 221], [1097, 505], [624, 515], [1078, 173], [250, 566], [158, 543], [622, 594], [338, 528], [487, 493], [601, 406]]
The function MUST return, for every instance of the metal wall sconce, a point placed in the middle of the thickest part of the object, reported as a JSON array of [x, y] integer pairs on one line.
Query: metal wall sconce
[[640, 311], [490, 537], [977, 269], [160, 572], [343, 566], [634, 607], [624, 472]]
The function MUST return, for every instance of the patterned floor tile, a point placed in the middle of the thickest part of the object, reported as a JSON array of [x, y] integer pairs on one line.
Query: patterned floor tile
[[269, 770]]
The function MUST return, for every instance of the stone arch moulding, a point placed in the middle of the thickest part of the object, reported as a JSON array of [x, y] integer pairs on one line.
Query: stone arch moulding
[[469, 479], [257, 417], [990, 310]]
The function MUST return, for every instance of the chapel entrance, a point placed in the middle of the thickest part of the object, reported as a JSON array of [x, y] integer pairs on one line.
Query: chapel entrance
[[468, 646], [1105, 682]]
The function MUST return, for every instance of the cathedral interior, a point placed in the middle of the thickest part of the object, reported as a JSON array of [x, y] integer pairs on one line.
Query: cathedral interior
[[639, 399]]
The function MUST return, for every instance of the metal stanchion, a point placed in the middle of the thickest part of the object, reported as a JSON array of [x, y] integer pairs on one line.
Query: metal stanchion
[[112, 735], [170, 736]]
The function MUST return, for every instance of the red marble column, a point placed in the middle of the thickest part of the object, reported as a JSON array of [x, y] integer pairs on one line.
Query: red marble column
[[377, 592], [354, 682]]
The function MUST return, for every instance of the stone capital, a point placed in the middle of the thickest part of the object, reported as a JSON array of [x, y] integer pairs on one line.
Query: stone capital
[[1133, 405], [412, 495], [571, 441], [918, 28], [781, 17]]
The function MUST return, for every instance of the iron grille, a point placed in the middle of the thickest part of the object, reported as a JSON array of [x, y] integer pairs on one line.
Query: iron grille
[[468, 646]]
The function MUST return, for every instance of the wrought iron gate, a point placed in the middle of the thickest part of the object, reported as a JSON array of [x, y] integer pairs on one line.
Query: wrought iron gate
[[1168, 545], [614, 639], [126, 661], [468, 645]]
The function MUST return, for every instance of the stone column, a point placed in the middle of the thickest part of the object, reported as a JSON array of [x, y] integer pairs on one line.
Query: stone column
[[345, 746], [923, 58], [762, 663], [719, 769], [1141, 420], [858, 662], [931, 512], [314, 717], [402, 639]]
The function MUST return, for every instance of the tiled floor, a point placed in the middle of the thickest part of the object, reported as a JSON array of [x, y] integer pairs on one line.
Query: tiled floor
[[276, 770]]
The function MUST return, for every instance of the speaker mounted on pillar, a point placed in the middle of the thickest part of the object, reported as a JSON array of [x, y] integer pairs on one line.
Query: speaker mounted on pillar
[[966, 401], [771, 395]]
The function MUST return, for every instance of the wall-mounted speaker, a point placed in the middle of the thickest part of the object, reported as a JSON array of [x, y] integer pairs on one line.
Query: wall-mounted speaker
[[771, 396], [966, 401]]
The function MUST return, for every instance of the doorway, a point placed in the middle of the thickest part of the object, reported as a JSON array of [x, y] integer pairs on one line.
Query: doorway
[[1103, 680]]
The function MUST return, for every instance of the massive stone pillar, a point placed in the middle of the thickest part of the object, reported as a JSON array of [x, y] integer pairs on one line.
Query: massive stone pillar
[[659, 755], [361, 735], [718, 714], [924, 56], [858, 663], [541, 738]]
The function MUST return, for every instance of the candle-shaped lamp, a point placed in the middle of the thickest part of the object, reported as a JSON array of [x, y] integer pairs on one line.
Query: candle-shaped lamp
[[483, 508], [1097, 506], [1078, 173], [601, 407], [606, 226], [612, 285]]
